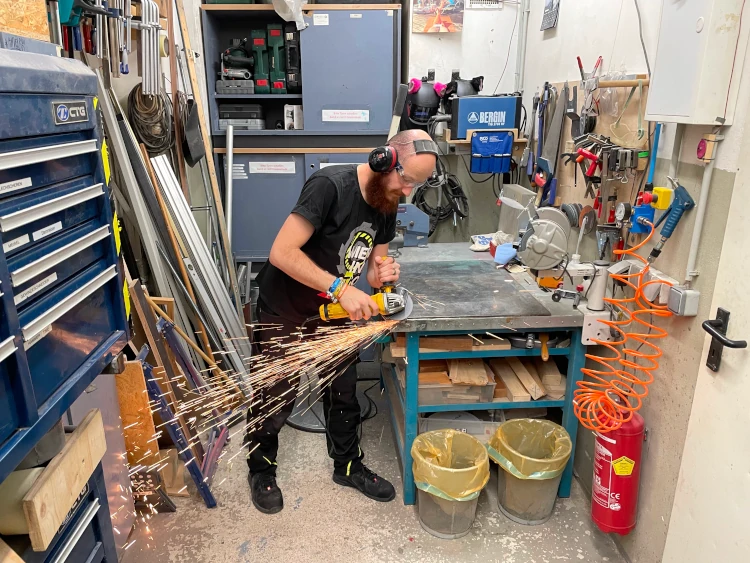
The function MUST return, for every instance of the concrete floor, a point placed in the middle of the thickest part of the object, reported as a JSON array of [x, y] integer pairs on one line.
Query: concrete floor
[[324, 522]]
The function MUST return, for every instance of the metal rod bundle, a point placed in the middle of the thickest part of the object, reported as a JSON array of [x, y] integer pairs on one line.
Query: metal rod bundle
[[209, 287]]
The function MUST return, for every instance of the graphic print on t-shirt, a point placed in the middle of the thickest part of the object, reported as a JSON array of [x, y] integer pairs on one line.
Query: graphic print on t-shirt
[[355, 252]]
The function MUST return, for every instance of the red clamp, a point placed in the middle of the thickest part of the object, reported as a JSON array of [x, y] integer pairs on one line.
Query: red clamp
[[584, 154]]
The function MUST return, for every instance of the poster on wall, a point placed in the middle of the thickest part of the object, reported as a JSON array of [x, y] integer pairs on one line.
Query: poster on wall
[[551, 10], [437, 16]]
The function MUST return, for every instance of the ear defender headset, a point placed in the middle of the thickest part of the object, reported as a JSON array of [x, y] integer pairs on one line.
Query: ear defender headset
[[385, 159]]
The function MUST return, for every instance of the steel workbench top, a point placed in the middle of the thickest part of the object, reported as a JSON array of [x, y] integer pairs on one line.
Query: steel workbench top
[[458, 289]]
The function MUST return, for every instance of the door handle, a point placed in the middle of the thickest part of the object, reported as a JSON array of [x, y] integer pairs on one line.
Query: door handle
[[717, 328]]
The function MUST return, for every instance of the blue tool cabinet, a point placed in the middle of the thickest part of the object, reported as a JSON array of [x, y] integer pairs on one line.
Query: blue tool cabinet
[[62, 315]]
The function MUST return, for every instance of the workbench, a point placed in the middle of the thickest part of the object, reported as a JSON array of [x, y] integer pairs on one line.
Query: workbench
[[469, 295]]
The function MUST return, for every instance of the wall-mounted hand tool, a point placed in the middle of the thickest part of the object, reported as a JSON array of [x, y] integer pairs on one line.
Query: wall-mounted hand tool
[[681, 202]]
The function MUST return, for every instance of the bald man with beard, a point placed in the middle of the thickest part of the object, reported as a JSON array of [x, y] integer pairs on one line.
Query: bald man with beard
[[343, 221]]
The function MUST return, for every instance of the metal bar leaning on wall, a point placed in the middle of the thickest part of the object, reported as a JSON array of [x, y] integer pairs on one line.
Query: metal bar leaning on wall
[[207, 283], [205, 132]]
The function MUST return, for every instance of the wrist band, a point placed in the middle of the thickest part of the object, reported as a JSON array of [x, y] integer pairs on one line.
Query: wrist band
[[343, 290]]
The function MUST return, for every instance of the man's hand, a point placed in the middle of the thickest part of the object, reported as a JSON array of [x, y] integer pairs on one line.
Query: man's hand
[[358, 304], [388, 270]]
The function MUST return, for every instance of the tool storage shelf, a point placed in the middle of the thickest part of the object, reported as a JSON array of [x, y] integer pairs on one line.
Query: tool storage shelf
[[345, 89], [62, 317]]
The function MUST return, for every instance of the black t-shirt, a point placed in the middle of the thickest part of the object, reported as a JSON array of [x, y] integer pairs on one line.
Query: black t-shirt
[[346, 230]]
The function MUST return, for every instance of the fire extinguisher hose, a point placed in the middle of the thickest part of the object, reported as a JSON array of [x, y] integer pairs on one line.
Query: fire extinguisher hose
[[616, 387]]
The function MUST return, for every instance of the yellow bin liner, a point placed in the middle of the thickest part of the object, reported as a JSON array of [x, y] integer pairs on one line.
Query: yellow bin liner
[[450, 464], [530, 448]]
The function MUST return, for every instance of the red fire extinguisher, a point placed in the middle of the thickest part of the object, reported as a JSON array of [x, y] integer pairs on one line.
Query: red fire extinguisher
[[617, 469]]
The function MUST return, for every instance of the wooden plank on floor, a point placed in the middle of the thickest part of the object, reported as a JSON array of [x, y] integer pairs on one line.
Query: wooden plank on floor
[[467, 372], [516, 391], [174, 474], [536, 390], [47, 503], [135, 411]]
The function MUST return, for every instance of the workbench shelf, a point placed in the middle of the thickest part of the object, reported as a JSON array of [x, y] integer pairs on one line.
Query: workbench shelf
[[513, 352], [494, 405], [406, 410]]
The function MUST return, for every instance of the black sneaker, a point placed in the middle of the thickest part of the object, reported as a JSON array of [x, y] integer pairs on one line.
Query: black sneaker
[[266, 493], [368, 483]]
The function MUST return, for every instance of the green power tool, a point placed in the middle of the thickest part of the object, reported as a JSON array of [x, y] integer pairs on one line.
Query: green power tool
[[260, 56], [277, 58]]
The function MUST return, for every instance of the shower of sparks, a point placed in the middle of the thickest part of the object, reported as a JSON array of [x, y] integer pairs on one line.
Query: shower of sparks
[[304, 357]]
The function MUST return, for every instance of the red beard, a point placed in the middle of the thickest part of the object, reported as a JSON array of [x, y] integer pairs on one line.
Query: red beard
[[378, 196]]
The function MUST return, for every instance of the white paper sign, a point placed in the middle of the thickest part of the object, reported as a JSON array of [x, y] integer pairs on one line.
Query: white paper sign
[[34, 289], [16, 242], [320, 19], [355, 16], [46, 231], [14, 185], [271, 167], [347, 115]]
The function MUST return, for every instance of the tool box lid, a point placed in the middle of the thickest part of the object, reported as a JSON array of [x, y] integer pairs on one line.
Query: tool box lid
[[30, 73]]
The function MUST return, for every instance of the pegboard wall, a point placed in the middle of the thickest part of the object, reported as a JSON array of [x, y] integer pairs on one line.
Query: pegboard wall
[[611, 102]]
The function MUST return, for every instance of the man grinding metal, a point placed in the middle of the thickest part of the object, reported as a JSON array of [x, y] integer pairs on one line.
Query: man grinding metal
[[344, 218]]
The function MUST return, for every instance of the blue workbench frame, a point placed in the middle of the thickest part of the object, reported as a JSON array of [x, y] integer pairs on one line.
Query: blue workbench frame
[[411, 409]]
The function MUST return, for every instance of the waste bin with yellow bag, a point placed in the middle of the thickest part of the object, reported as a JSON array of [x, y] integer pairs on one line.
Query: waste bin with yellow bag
[[450, 470], [532, 455]]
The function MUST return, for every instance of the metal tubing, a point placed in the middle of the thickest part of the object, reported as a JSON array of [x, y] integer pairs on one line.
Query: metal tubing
[[55, 29], [700, 216], [229, 178], [674, 163], [521, 47]]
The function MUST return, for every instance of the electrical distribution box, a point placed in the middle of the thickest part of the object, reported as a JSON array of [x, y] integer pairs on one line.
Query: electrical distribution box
[[696, 75]]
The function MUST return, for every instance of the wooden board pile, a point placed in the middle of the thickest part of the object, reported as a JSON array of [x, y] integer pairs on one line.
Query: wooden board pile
[[514, 379]]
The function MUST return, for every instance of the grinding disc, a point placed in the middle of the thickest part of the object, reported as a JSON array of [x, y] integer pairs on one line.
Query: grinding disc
[[406, 311], [589, 212]]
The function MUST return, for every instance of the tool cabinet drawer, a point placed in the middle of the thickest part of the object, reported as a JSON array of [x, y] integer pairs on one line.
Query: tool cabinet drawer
[[25, 169], [8, 409], [41, 268], [61, 329], [31, 217], [82, 538]]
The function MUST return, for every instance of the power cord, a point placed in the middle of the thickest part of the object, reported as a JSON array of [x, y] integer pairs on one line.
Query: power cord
[[151, 119]]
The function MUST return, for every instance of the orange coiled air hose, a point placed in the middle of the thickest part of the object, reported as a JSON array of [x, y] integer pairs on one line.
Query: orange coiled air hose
[[612, 394]]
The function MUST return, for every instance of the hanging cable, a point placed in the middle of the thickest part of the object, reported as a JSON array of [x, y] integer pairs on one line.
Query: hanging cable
[[611, 395], [151, 120]]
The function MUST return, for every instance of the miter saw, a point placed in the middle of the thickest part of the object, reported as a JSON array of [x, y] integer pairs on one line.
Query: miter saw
[[544, 247]]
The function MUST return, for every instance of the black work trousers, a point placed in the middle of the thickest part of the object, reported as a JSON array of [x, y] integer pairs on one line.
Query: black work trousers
[[340, 405]]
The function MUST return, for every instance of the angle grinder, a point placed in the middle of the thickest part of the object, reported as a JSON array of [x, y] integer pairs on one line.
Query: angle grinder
[[394, 303]]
